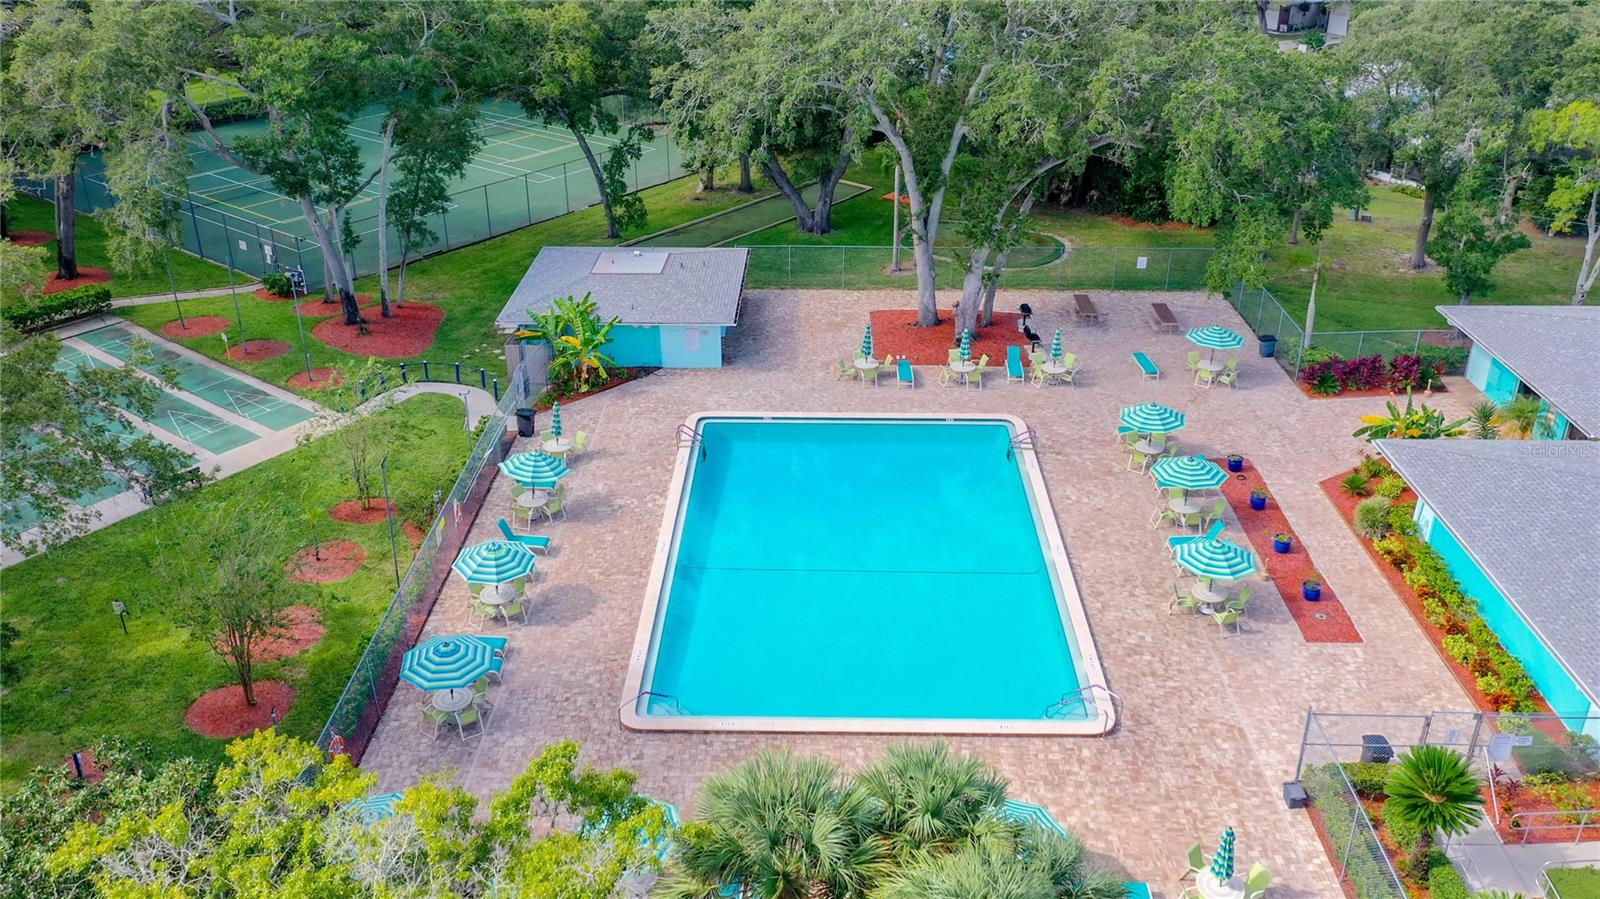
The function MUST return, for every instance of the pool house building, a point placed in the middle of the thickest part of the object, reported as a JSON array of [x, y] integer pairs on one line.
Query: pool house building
[[674, 304], [1550, 352], [1516, 523]]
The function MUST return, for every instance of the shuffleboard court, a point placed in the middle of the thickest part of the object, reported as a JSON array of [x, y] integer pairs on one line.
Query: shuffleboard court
[[237, 396]]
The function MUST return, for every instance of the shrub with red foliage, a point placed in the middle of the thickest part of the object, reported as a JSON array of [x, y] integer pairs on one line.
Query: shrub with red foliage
[[1363, 373], [1405, 372], [1312, 372]]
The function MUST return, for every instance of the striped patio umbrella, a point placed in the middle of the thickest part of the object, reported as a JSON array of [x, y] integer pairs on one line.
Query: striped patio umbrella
[[1215, 338], [1220, 560], [534, 469], [1028, 814], [1188, 473], [866, 342], [966, 345], [446, 663], [1151, 418], [372, 809], [1055, 345], [555, 419], [494, 562], [1222, 862]]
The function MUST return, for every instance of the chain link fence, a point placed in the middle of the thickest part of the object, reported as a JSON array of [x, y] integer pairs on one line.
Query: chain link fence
[[1038, 266], [1336, 807], [355, 716]]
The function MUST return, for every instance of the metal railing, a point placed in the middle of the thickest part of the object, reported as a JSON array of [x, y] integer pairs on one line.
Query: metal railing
[[432, 372], [1585, 818], [355, 716]]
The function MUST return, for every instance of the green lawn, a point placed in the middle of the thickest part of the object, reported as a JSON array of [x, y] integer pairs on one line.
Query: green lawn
[[82, 679], [1576, 883], [1367, 285], [26, 213], [471, 283]]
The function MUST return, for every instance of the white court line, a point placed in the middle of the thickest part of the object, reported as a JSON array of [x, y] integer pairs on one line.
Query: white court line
[[193, 421]]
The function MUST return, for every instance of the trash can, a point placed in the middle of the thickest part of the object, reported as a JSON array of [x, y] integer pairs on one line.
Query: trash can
[[525, 423], [1374, 748], [1269, 345]]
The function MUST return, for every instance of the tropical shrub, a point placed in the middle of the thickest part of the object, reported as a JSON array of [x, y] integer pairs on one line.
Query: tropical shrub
[[1368, 778], [1391, 486], [1432, 789], [1443, 880], [1327, 384], [1361, 373], [1372, 466], [1443, 360], [277, 284], [1520, 417], [1405, 372], [1345, 822], [1408, 190], [1320, 373], [1485, 420], [1401, 519], [1372, 517], [52, 309], [1401, 829], [1356, 484], [1413, 422], [577, 339]]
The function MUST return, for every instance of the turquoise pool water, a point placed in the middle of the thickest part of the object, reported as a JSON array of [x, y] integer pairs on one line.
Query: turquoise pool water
[[860, 569]]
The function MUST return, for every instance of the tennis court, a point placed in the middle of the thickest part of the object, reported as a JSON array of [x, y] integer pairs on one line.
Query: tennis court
[[223, 390], [525, 173]]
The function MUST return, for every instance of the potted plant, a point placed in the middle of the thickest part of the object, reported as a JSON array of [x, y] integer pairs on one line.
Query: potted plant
[[1258, 499], [1282, 542], [1311, 587], [1235, 462]]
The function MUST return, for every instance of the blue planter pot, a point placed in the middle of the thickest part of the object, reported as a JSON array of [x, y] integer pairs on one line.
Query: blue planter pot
[[1258, 503], [1311, 594], [1282, 546], [1236, 464]]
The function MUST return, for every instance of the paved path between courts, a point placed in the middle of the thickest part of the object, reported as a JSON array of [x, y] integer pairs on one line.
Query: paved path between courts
[[153, 298]]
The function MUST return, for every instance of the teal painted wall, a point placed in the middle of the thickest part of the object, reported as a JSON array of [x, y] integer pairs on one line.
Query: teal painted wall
[[690, 346], [634, 345], [1515, 635]]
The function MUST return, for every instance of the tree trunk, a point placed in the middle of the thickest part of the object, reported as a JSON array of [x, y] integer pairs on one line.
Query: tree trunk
[[1419, 253], [992, 285], [66, 227], [746, 186], [1591, 264], [5, 223], [708, 178], [383, 219], [802, 212], [599, 181], [247, 679], [972, 284], [400, 282], [1465, 296], [1294, 228], [822, 220], [337, 276]]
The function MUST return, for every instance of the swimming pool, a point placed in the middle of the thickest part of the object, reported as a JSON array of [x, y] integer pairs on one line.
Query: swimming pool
[[866, 574]]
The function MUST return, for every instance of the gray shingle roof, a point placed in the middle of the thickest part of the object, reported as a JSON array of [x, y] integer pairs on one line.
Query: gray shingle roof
[[1529, 513], [645, 286], [1554, 349]]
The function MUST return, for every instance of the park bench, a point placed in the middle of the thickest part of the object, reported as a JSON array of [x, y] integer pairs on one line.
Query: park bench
[[1083, 308]]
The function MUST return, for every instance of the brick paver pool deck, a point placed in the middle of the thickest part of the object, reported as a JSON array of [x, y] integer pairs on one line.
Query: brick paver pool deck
[[1210, 726]]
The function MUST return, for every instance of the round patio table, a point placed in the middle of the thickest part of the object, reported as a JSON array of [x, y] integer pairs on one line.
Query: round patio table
[[556, 445], [866, 364], [1184, 506], [498, 594], [1210, 597], [1054, 368], [1211, 888], [1149, 448], [452, 700], [533, 500], [1211, 365]]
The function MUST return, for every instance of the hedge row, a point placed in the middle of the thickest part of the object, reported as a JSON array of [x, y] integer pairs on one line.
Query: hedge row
[[1345, 823], [1467, 637], [52, 309], [1328, 373]]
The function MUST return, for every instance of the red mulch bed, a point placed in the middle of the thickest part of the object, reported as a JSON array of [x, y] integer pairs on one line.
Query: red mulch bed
[[1358, 394], [91, 771], [223, 715], [1287, 570], [339, 559], [351, 512], [198, 326], [409, 332], [890, 196], [325, 379], [304, 629], [619, 377], [264, 294], [321, 308], [895, 331], [87, 275], [257, 350], [30, 238], [413, 533]]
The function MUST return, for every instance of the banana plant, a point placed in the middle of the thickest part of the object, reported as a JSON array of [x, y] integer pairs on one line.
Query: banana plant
[[1413, 422], [577, 339]]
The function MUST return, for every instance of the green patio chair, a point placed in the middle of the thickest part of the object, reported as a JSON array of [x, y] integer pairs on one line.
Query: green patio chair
[[1163, 515], [515, 607], [1204, 377], [484, 611], [1159, 441], [580, 445], [1169, 446], [860, 355], [1193, 520], [975, 377], [1035, 358], [1181, 600], [1217, 510], [1194, 359], [1197, 863], [435, 717], [480, 692], [955, 355], [845, 372], [1174, 493], [1257, 881], [469, 716], [1137, 460], [1226, 619], [1230, 374]]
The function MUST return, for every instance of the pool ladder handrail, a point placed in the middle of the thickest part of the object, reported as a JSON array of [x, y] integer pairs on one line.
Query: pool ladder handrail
[[1022, 439], [674, 707], [688, 436], [1081, 697]]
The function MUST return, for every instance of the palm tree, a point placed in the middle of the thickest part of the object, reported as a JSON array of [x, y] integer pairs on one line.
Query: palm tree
[[1433, 789], [1040, 864], [1485, 420], [782, 827], [1520, 416], [932, 800]]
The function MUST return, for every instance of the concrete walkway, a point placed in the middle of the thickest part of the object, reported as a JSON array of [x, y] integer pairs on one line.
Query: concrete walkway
[[1487, 864], [154, 298], [480, 403]]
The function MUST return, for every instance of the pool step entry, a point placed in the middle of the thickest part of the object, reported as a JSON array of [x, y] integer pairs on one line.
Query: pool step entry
[[688, 436], [662, 704], [1024, 439], [1078, 701]]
